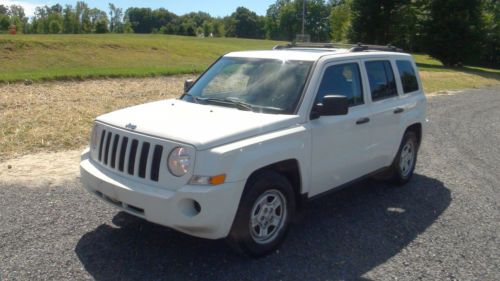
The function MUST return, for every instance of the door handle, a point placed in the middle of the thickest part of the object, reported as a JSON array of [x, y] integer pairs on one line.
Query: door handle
[[398, 110], [362, 120]]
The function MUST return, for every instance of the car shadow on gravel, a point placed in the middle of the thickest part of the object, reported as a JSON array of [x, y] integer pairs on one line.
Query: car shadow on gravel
[[341, 236]]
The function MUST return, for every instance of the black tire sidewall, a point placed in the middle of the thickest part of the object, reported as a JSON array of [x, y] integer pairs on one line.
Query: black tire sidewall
[[397, 173], [240, 237]]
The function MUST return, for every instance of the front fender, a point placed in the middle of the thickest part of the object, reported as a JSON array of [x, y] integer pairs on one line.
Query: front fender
[[240, 159]]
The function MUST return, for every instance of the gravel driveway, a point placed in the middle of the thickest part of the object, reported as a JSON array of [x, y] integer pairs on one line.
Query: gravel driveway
[[444, 225]]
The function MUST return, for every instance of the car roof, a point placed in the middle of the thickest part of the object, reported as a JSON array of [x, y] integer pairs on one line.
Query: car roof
[[311, 54]]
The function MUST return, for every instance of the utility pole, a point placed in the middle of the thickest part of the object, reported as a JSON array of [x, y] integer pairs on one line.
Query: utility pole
[[303, 15]]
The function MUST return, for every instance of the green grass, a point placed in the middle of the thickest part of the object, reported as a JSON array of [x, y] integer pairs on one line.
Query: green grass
[[48, 57], [59, 57]]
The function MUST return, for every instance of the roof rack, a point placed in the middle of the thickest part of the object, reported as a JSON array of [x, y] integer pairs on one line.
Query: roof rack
[[359, 47]]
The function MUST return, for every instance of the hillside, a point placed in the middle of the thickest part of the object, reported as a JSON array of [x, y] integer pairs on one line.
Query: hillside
[[61, 57]]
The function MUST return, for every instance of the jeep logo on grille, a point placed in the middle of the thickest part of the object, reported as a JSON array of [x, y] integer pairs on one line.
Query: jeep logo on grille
[[130, 126]]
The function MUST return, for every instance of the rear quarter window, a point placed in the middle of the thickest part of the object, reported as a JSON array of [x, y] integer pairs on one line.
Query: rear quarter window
[[407, 76]]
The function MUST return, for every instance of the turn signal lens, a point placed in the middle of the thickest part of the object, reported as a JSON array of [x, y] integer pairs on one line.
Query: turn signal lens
[[206, 180], [216, 180]]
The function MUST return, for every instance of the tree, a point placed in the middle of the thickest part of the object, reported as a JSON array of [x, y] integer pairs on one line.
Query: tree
[[454, 30], [55, 27], [3, 10], [70, 22], [4, 22], [317, 19], [207, 29], [491, 44], [340, 20], [245, 24], [141, 19], [218, 28], [101, 26]]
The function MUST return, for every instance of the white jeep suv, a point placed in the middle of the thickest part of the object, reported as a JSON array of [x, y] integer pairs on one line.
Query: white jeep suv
[[257, 135]]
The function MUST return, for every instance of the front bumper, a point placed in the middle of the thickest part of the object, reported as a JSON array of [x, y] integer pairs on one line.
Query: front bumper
[[211, 219]]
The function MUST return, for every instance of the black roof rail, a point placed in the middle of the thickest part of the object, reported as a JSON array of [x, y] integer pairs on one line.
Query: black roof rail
[[359, 47], [305, 45]]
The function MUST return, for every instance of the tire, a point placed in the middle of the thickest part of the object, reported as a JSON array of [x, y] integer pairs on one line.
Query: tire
[[264, 233], [403, 166]]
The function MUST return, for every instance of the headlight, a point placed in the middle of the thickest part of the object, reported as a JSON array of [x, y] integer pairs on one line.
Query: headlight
[[179, 161]]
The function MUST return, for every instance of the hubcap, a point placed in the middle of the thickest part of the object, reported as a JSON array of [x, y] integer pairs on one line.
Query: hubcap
[[407, 158], [268, 216]]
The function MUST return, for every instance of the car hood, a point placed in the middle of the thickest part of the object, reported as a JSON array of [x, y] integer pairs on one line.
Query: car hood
[[203, 126]]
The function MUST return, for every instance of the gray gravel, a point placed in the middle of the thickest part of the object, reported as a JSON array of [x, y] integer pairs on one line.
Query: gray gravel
[[444, 225]]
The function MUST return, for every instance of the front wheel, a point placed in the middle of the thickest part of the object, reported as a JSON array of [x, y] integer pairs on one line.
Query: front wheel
[[263, 216]]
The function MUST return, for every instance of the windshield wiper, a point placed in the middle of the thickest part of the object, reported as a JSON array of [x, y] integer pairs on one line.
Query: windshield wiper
[[195, 98], [239, 104]]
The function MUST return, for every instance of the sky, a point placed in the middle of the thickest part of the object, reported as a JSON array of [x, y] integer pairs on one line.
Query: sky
[[217, 8]]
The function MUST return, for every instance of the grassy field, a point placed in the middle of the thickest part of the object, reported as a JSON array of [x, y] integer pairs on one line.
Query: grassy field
[[46, 57], [59, 57], [57, 116]]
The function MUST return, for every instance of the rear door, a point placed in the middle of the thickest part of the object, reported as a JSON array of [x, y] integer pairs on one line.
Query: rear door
[[387, 107]]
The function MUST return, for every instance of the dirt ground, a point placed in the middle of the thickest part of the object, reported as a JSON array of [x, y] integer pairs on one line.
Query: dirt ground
[[45, 126]]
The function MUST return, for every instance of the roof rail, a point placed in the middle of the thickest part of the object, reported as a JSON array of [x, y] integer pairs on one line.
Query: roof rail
[[365, 47], [359, 47]]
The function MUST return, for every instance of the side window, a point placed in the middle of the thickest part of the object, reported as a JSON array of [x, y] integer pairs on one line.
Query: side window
[[342, 79], [407, 75], [381, 77]]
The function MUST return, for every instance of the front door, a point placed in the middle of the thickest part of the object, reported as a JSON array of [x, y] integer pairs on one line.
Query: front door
[[341, 145]]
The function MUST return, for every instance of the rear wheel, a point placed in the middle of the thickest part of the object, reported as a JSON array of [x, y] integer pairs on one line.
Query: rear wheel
[[404, 163], [263, 216]]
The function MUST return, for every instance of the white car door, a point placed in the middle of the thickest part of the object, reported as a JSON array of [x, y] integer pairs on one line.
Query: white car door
[[341, 144], [387, 107]]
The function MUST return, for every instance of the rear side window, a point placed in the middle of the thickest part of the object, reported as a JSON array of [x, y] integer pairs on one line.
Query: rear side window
[[381, 77], [344, 80], [407, 75]]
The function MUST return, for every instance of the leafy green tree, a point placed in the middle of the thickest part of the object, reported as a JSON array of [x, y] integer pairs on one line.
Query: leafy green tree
[[207, 28], [340, 20], [4, 23], [244, 23], [491, 45], [218, 28], [141, 19], [101, 26], [55, 27], [162, 17], [70, 22], [454, 31], [317, 19], [3, 10]]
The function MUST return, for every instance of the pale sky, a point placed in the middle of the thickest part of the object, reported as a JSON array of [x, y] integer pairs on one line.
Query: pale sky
[[217, 8]]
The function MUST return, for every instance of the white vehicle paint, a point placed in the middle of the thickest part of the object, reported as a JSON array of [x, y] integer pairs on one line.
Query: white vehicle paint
[[127, 164]]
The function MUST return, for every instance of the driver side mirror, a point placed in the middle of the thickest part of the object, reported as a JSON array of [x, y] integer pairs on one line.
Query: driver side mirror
[[188, 84], [331, 105]]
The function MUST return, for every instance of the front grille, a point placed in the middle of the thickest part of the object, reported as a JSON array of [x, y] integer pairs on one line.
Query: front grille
[[130, 155]]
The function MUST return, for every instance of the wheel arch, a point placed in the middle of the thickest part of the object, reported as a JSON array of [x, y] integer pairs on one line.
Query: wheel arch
[[417, 129], [290, 169]]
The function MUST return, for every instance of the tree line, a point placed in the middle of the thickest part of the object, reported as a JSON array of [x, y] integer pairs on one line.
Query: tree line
[[453, 31]]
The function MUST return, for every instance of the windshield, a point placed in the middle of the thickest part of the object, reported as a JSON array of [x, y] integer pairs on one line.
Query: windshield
[[261, 85]]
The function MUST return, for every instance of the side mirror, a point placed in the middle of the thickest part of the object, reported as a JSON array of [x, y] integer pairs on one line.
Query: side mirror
[[188, 84], [331, 105]]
